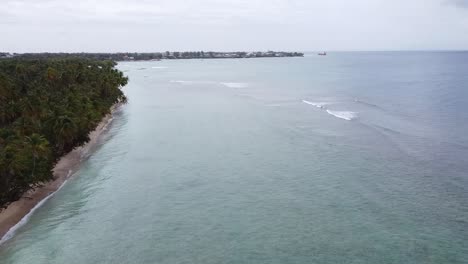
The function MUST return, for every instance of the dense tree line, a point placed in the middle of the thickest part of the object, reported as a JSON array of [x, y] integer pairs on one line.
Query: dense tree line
[[47, 108]]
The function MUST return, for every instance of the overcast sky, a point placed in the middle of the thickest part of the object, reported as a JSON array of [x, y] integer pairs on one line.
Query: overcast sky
[[302, 25]]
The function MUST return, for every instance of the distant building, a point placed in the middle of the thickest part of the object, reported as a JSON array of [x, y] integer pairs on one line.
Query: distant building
[[5, 55], [128, 57]]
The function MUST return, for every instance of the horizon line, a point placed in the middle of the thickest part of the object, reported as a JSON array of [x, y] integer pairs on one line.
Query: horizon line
[[266, 50]]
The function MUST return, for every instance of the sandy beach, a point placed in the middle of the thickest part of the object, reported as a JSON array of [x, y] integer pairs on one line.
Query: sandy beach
[[64, 169]]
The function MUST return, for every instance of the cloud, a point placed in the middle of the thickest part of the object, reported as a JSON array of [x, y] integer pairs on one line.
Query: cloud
[[152, 25], [148, 12]]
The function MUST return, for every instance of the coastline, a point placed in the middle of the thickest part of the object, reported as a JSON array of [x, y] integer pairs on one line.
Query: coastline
[[12, 217]]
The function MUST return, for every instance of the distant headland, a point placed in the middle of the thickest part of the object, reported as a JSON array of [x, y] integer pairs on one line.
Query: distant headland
[[168, 55]]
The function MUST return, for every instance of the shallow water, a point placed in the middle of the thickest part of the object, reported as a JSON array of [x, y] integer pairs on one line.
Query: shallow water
[[348, 158]]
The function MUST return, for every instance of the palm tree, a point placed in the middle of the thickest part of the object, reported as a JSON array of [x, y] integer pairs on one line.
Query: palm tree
[[39, 146], [64, 128]]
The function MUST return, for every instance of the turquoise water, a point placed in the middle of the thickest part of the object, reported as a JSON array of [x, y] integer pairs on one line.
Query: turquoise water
[[348, 158]]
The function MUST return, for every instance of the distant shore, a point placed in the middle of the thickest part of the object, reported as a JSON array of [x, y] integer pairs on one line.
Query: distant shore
[[65, 167], [148, 56]]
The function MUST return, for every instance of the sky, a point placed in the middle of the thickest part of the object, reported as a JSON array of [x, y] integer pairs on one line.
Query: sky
[[232, 25]]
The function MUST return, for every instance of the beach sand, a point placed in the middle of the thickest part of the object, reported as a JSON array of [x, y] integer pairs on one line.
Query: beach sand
[[64, 168]]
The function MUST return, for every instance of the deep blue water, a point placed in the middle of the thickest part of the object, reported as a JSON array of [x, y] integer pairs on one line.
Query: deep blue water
[[348, 158]]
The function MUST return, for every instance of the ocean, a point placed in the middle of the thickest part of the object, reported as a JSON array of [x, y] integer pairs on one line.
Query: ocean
[[354, 157]]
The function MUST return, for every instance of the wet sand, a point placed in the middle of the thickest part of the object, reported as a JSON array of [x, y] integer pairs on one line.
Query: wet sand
[[64, 168]]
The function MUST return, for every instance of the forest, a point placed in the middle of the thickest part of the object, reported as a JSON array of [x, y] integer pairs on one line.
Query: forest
[[48, 107]]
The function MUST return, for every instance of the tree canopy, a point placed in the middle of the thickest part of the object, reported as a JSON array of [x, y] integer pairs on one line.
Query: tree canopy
[[47, 108]]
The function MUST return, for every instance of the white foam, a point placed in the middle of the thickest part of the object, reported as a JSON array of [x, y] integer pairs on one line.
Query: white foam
[[346, 115], [12, 231], [316, 104], [159, 67], [235, 85]]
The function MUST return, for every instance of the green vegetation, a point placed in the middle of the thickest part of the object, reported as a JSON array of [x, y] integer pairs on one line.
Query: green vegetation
[[47, 108]]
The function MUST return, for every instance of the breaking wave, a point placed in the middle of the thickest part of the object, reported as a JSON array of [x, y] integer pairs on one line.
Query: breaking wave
[[235, 85], [26, 218], [316, 104], [181, 82], [346, 115]]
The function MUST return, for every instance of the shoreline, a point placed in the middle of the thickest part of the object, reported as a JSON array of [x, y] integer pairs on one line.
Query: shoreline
[[16, 214]]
